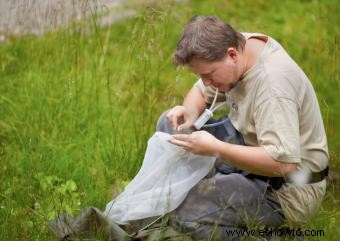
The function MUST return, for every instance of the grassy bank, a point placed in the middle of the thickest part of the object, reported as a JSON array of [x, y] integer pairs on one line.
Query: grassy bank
[[77, 105]]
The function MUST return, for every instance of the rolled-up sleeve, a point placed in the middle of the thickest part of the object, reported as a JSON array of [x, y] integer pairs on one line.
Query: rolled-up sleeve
[[277, 128]]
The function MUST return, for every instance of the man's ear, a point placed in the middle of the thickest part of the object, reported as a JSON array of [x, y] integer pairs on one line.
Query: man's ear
[[232, 53]]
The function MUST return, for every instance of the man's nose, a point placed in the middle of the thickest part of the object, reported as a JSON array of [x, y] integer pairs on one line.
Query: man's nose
[[207, 81]]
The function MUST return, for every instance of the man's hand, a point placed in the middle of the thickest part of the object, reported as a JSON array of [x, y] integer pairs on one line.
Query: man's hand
[[199, 142], [182, 118]]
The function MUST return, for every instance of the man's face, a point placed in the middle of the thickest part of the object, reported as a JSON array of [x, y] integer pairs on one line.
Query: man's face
[[222, 74]]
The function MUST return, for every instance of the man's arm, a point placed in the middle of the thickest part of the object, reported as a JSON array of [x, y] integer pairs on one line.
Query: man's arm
[[251, 159]]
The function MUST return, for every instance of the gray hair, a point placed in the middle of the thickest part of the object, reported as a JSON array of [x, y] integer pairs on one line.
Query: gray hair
[[207, 38]]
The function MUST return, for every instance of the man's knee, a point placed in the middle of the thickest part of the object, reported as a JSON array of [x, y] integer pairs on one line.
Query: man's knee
[[228, 195]]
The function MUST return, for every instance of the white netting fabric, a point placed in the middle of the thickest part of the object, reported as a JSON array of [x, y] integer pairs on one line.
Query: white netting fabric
[[167, 174]]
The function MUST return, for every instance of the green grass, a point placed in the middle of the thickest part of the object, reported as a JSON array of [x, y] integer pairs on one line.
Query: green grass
[[78, 105]]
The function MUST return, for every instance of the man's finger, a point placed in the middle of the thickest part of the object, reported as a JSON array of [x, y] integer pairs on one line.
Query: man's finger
[[184, 126], [181, 137], [172, 119], [179, 142]]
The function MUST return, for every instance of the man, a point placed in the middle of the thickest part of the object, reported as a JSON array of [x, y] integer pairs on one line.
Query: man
[[273, 105]]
